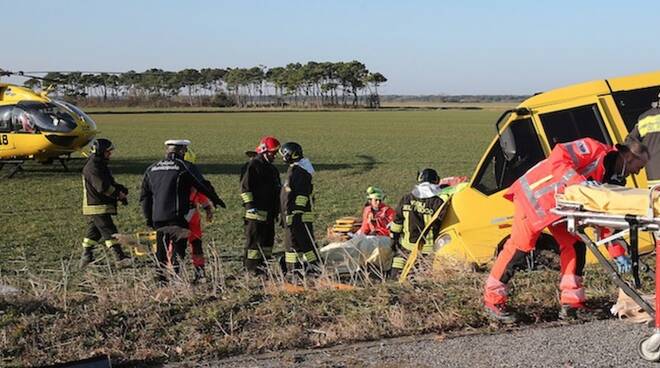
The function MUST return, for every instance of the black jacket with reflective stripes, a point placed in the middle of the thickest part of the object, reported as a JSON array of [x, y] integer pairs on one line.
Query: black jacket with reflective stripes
[[165, 195], [260, 188], [100, 190], [412, 216], [647, 131], [295, 196]]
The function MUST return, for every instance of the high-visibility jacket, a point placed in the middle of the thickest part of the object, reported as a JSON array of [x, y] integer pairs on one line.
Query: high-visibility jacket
[[377, 222], [414, 212], [647, 131], [295, 196], [260, 189], [100, 190], [568, 163]]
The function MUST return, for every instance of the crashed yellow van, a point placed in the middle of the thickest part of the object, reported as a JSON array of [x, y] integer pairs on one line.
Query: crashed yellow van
[[479, 219]]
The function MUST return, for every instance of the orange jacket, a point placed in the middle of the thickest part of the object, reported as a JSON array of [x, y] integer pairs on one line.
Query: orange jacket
[[194, 220], [568, 163], [375, 223]]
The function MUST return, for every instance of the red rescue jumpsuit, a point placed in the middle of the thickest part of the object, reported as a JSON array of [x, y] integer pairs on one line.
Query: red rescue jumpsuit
[[533, 196], [195, 226], [376, 222]]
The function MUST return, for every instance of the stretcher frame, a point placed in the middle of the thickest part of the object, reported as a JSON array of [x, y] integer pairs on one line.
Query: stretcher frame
[[578, 219]]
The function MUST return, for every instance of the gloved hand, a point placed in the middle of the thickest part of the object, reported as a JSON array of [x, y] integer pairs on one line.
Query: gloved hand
[[623, 263], [590, 183], [296, 219], [218, 202], [122, 197], [122, 189]]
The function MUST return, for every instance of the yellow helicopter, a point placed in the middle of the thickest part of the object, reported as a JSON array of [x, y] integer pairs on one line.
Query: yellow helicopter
[[34, 126]]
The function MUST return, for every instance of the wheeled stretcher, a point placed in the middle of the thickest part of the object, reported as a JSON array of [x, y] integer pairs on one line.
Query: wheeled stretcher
[[626, 212]]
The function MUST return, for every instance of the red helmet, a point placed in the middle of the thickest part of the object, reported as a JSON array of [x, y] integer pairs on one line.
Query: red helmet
[[268, 144]]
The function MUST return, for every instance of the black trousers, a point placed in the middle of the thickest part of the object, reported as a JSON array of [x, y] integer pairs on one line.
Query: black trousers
[[100, 228], [259, 241], [171, 244]]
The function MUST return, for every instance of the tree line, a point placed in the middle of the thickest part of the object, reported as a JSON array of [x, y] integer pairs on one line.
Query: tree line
[[314, 84]]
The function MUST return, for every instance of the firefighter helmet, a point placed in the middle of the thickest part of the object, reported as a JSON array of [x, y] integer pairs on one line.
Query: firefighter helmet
[[101, 146], [375, 193], [291, 152], [268, 144], [428, 175]]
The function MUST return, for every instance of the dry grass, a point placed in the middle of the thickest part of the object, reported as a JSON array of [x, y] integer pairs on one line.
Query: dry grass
[[125, 314]]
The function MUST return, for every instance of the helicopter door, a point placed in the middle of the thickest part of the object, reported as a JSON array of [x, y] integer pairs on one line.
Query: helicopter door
[[6, 139]]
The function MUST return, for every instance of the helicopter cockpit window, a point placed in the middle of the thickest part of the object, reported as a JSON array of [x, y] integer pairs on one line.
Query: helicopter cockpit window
[[22, 122], [88, 120], [47, 117], [5, 118]]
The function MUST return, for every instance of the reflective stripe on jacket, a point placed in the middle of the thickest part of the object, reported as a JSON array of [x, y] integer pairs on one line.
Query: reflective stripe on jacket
[[647, 131], [568, 163], [295, 196], [100, 190]]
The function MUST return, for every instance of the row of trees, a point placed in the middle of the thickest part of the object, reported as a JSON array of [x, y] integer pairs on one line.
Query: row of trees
[[314, 84]]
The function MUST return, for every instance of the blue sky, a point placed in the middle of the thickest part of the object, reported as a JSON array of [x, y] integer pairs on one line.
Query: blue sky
[[422, 47]]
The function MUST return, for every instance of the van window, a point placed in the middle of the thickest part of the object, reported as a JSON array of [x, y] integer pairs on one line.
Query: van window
[[575, 123], [497, 173], [633, 103]]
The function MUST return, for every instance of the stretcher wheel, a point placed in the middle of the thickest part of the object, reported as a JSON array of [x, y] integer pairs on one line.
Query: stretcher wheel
[[646, 349]]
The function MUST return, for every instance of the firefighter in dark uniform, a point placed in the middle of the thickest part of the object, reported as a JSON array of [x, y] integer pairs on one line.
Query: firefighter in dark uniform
[[100, 195], [647, 131], [260, 188], [296, 211], [413, 214], [165, 200]]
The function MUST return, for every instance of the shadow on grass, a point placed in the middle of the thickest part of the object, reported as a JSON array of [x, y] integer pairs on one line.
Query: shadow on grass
[[139, 166]]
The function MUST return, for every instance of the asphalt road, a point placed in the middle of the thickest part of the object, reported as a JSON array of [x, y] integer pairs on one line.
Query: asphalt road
[[608, 343]]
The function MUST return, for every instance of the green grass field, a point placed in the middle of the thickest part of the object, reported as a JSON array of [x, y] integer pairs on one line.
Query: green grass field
[[41, 216], [65, 313]]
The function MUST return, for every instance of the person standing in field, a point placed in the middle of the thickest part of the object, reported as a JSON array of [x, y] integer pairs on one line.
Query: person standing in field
[[197, 200], [260, 187], [100, 196], [301, 254], [165, 199]]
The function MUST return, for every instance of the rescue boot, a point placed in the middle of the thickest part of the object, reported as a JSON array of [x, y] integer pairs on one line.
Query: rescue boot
[[579, 312], [122, 259], [200, 275], [87, 257], [500, 313]]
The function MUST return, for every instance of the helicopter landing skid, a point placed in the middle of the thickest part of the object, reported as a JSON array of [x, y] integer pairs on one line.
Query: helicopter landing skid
[[63, 162], [17, 165]]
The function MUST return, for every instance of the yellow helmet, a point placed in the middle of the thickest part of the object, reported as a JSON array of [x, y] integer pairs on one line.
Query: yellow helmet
[[190, 156]]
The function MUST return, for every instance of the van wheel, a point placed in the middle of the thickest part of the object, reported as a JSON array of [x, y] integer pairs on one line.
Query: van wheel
[[544, 256]]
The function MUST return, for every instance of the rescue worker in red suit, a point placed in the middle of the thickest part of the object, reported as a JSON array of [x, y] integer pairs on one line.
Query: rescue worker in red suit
[[376, 216], [533, 195], [197, 200]]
